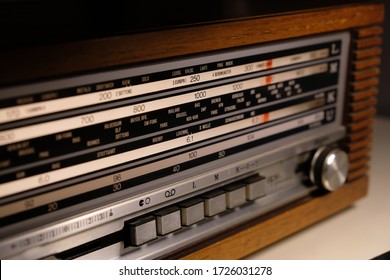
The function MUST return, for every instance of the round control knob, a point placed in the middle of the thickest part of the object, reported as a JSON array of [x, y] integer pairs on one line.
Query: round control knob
[[329, 168]]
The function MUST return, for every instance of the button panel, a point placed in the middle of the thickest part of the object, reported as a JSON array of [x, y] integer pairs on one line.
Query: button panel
[[194, 210]]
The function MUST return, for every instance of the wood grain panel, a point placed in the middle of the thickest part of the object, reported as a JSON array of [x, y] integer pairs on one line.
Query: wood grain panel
[[361, 105], [357, 174], [355, 126], [360, 54], [361, 95], [359, 134], [368, 42], [358, 164], [367, 63], [363, 114], [361, 110], [369, 31], [367, 73], [359, 144], [356, 155], [366, 83]]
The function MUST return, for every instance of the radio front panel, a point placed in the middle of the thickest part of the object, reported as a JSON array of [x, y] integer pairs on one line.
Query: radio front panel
[[140, 161]]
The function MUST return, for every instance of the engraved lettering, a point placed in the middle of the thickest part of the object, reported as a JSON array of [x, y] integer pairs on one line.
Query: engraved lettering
[[150, 122], [205, 126], [64, 135], [122, 135], [157, 139], [25, 152], [189, 71], [56, 165], [126, 83], [135, 119], [180, 115], [123, 92], [85, 89], [237, 95], [222, 73], [20, 174], [17, 146], [230, 108], [296, 58], [192, 118], [36, 109], [112, 124], [179, 81], [194, 78], [24, 100], [5, 163], [105, 86], [106, 153], [234, 118], [174, 110], [7, 136], [215, 100], [93, 142], [182, 132], [176, 73], [105, 95], [44, 154], [261, 65], [49, 96], [139, 108]]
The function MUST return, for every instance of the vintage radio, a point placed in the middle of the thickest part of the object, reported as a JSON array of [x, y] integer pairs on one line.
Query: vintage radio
[[210, 139]]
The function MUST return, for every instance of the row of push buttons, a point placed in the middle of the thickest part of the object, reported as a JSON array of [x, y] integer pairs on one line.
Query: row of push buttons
[[186, 213]]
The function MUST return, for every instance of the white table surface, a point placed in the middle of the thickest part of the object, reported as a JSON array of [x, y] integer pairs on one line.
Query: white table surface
[[360, 232]]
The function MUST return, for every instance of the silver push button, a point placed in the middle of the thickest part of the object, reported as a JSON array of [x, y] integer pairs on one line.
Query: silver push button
[[168, 220], [255, 187], [140, 231], [235, 195], [214, 202], [192, 211]]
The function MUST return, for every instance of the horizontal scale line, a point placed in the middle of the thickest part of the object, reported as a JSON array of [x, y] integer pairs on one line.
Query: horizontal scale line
[[40, 180], [47, 128]]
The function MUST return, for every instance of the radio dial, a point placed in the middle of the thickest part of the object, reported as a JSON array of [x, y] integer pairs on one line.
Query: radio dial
[[329, 168]]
